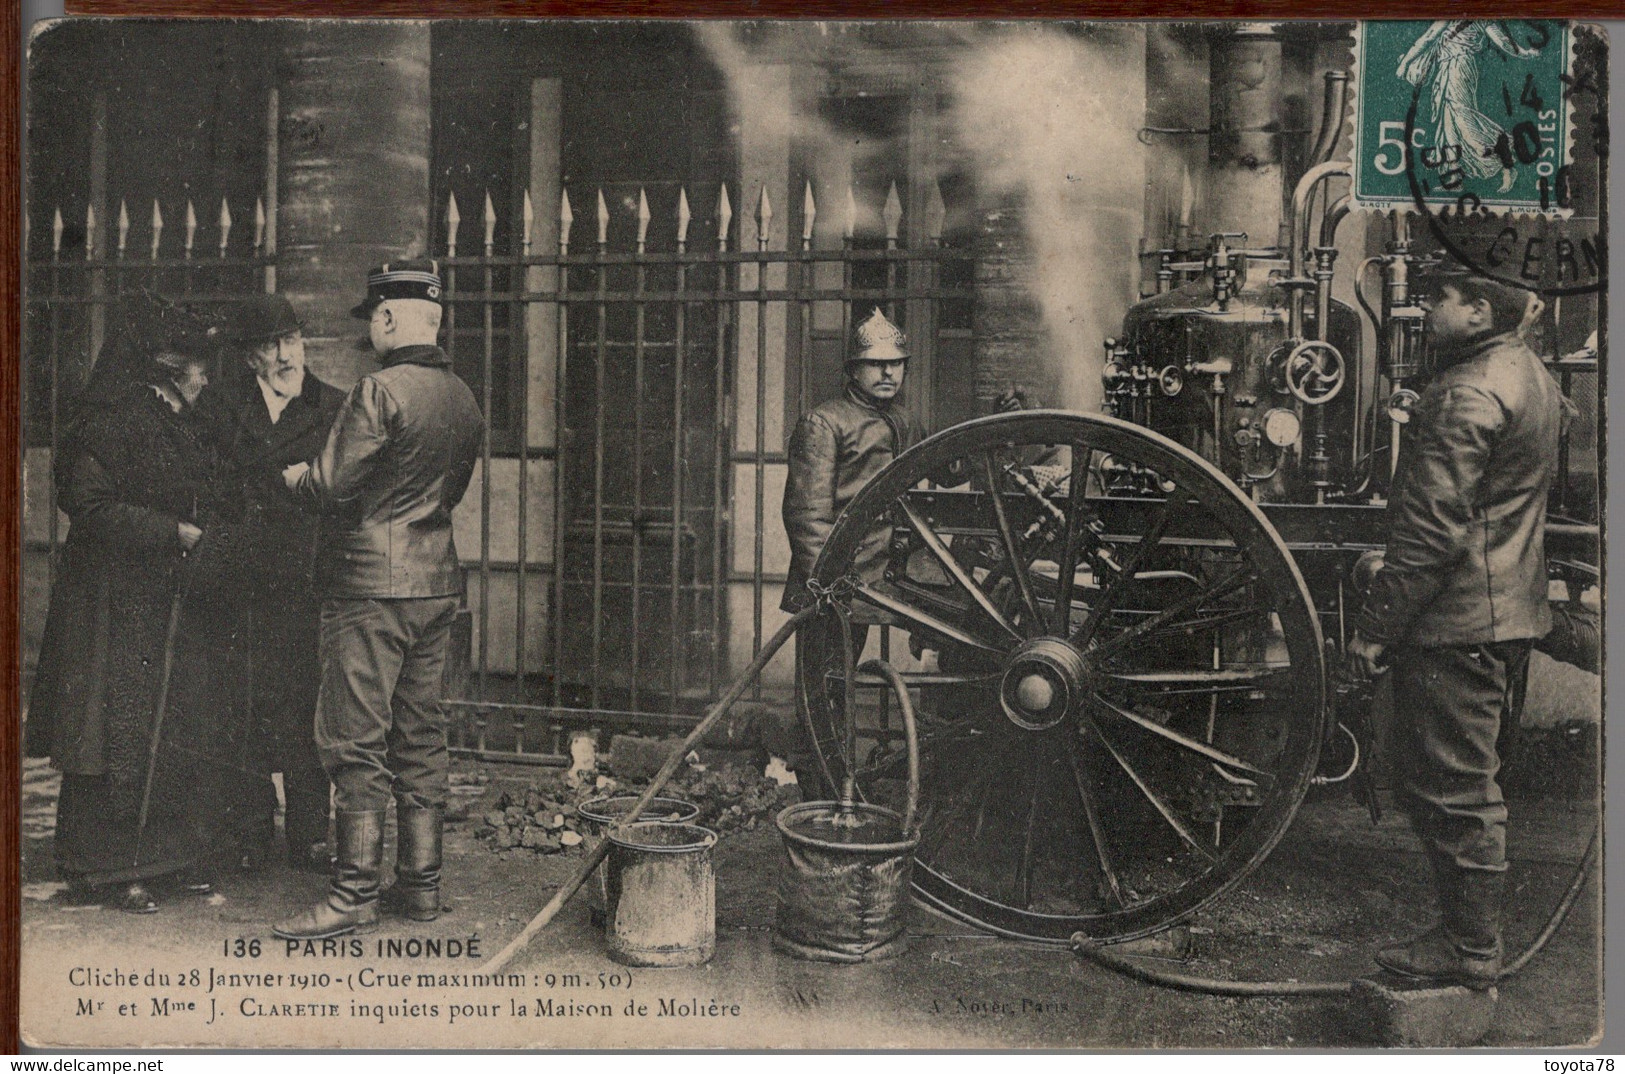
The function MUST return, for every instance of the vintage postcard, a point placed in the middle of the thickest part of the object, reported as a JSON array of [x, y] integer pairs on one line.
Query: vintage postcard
[[813, 535]]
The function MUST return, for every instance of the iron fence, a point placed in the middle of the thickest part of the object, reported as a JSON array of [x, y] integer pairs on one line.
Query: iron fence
[[67, 298], [652, 349]]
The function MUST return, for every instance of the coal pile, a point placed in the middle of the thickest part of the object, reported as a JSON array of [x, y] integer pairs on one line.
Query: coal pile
[[732, 797], [544, 817], [535, 818]]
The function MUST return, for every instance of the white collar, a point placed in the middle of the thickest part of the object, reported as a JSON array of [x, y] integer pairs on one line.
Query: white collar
[[275, 402]]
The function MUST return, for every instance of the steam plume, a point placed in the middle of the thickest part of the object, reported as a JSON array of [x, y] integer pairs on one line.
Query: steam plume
[[1043, 116]]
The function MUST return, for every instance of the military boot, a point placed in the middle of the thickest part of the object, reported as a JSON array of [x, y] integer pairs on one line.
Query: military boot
[[1475, 924], [416, 891], [1465, 947], [351, 904], [306, 821]]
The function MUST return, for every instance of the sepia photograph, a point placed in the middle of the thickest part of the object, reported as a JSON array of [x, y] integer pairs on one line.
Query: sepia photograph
[[661, 534]]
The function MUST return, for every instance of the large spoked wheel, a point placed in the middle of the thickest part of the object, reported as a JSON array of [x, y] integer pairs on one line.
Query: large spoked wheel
[[1117, 667]]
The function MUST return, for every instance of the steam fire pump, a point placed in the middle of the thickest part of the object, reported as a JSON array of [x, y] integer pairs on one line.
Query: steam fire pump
[[1129, 626]]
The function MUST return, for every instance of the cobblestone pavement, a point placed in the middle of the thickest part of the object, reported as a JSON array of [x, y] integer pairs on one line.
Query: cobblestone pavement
[[1333, 890]]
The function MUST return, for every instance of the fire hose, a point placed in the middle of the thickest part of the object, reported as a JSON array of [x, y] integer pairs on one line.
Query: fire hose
[[1081, 944], [1096, 952]]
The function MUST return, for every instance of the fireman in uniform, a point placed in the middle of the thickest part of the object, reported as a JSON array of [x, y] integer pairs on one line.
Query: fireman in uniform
[[838, 446], [1457, 605], [397, 462]]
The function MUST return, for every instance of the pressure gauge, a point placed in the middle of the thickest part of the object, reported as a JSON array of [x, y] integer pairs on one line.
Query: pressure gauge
[[1400, 405], [1281, 427], [1172, 380]]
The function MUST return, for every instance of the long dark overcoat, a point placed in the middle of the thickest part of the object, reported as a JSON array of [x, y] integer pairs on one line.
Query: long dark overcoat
[[282, 616], [139, 469]]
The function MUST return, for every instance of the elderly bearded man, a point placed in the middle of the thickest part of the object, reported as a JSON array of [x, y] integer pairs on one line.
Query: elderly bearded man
[[397, 462], [278, 416], [1457, 604]]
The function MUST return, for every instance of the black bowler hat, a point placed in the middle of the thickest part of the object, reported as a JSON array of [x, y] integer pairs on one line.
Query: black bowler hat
[[264, 318], [415, 278]]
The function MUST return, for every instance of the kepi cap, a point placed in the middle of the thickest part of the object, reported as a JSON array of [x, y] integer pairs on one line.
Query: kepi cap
[[413, 278]]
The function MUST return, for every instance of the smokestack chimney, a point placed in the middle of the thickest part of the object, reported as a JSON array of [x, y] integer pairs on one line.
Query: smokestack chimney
[[1245, 180]]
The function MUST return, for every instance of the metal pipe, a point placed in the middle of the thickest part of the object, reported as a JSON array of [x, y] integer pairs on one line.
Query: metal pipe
[[487, 340], [637, 475], [1300, 201], [599, 361], [1331, 117], [522, 522], [1333, 219], [1364, 432], [1324, 256], [1298, 228], [722, 461], [758, 543], [1393, 442]]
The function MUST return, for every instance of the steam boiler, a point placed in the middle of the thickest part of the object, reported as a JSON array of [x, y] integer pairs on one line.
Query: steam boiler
[[1128, 626]]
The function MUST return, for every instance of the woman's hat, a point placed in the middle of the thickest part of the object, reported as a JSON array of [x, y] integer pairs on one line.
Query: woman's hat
[[168, 334]]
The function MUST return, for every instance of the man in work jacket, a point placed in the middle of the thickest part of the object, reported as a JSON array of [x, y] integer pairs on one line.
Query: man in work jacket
[[841, 444], [397, 462], [1457, 605], [837, 447]]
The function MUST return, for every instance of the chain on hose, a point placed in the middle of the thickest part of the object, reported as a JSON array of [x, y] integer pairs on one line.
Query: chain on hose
[[837, 593]]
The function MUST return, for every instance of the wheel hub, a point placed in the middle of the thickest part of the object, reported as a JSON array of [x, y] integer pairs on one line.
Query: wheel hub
[[1044, 681]]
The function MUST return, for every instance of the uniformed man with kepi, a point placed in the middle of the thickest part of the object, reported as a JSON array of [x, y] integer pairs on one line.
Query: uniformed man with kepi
[[1456, 606], [397, 462]]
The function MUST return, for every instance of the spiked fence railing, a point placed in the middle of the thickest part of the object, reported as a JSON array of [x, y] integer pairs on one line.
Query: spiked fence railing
[[68, 294], [662, 348]]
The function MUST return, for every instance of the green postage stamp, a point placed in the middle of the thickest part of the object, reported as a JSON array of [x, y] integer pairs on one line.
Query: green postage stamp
[[1464, 113]]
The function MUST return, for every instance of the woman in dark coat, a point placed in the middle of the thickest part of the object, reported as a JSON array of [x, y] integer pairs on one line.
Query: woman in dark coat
[[135, 679]]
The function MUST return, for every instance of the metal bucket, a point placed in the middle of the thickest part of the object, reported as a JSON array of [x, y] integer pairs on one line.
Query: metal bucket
[[661, 895], [843, 890], [599, 815]]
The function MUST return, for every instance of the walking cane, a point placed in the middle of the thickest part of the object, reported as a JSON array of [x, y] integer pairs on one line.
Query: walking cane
[[159, 708]]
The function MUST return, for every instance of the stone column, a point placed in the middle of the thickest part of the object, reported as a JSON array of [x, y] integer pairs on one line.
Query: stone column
[[353, 186]]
